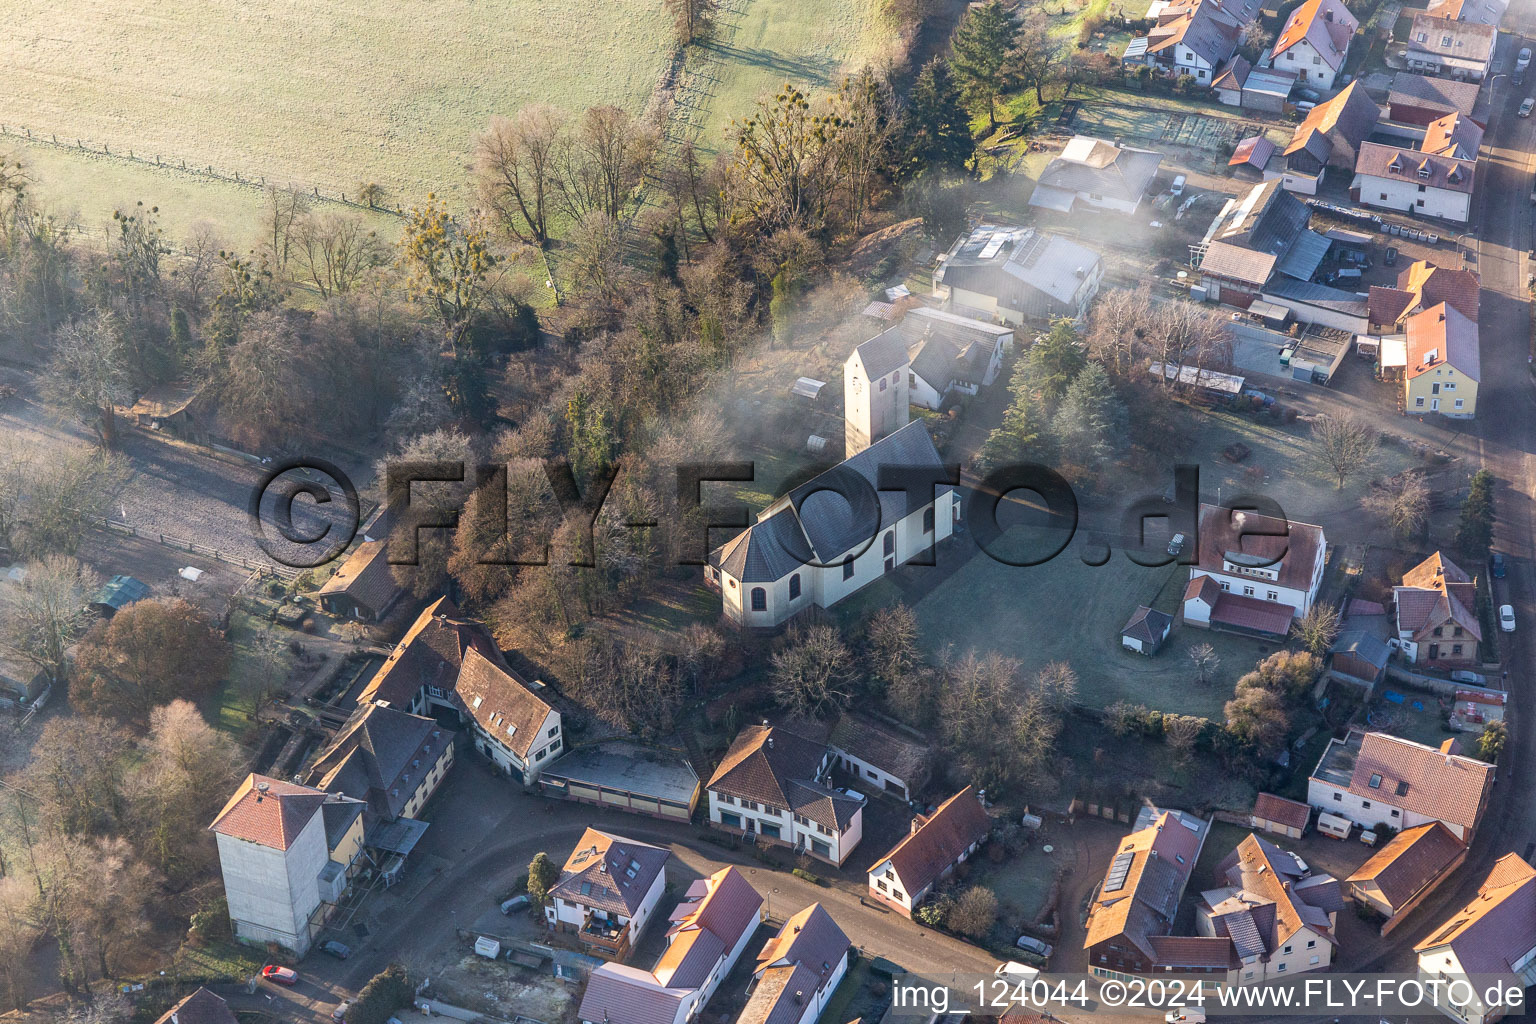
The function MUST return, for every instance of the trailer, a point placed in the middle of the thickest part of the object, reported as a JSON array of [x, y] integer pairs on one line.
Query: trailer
[[1334, 825]]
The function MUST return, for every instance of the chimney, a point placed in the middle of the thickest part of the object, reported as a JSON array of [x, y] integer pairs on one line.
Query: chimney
[[261, 790], [799, 998], [917, 823], [770, 742]]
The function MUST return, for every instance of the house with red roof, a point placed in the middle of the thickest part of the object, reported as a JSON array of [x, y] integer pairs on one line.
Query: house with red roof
[[1315, 43], [1276, 814], [1401, 874], [1494, 934], [709, 930], [606, 893], [1254, 573], [1436, 608], [797, 970], [1130, 921], [286, 852], [930, 852], [1375, 778]]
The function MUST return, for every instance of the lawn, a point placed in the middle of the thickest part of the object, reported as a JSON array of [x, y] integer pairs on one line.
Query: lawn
[[1021, 883], [329, 93], [260, 663]]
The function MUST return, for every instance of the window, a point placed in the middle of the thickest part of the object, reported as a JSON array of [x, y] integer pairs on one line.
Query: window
[[1287, 949], [1290, 55], [883, 384], [1226, 586], [1312, 944], [794, 586], [882, 886], [1365, 805], [1418, 403], [928, 520], [1455, 631], [1395, 814], [1458, 403], [1455, 648], [1248, 591], [1314, 959], [1272, 595], [1280, 969], [759, 599], [726, 798], [1338, 797], [1375, 782], [1383, 197], [848, 562], [730, 820], [553, 730], [1316, 59], [888, 545]]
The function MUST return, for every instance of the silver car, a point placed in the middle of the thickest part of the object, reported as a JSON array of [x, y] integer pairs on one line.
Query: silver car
[[1035, 946]]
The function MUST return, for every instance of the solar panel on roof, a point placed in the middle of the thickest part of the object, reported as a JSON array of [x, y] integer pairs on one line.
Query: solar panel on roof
[[1119, 868], [994, 246]]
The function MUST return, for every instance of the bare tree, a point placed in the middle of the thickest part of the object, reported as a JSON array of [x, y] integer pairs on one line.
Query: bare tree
[[595, 264], [1182, 733], [517, 162], [19, 934], [200, 262], [282, 210], [90, 373], [67, 496], [974, 912], [865, 107], [810, 671], [1344, 444], [1205, 659], [337, 250], [1118, 327], [1402, 504], [1318, 629], [1038, 55], [691, 18], [605, 161], [1188, 334], [78, 776], [1056, 684], [268, 388], [784, 169], [891, 641], [187, 770], [44, 614]]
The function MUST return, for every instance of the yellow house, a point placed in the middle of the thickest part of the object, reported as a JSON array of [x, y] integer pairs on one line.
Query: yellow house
[[1443, 365]]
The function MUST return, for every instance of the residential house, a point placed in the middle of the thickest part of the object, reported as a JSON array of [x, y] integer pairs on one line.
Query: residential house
[[1254, 572], [1407, 869], [1443, 363], [1449, 48], [284, 868], [1454, 135], [607, 890], [1146, 630], [201, 1007], [1419, 99], [1276, 814], [1016, 274], [363, 588], [1315, 42], [885, 757], [1437, 625], [1198, 38], [772, 788], [1480, 12], [1130, 920], [1099, 175], [828, 538], [1411, 181], [876, 390], [1359, 655], [1493, 935], [1375, 778], [1258, 237], [797, 970], [1420, 286], [391, 760], [1228, 84], [1330, 136], [951, 354], [1279, 917], [930, 852], [446, 662], [710, 927]]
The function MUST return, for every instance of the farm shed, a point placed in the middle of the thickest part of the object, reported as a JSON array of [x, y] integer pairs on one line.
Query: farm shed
[[1359, 656], [808, 388], [119, 593], [170, 408], [627, 777], [1146, 630], [20, 682], [885, 755], [363, 588], [1281, 816], [1319, 304], [1220, 384], [1268, 89], [1401, 874]]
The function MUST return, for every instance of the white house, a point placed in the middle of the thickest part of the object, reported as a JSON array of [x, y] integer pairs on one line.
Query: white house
[[1375, 778], [875, 390], [772, 788], [884, 757], [830, 537], [1411, 181], [607, 890], [710, 928], [951, 353], [285, 866], [1016, 274], [930, 851], [447, 662], [797, 971], [1279, 916], [1492, 936], [1100, 175], [1451, 48], [1315, 42], [1264, 571]]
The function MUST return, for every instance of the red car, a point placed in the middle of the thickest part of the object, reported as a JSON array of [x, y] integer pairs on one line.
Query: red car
[[281, 975]]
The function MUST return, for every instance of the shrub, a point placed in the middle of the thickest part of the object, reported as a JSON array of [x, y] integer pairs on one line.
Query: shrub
[[935, 912], [974, 913], [385, 993], [806, 876]]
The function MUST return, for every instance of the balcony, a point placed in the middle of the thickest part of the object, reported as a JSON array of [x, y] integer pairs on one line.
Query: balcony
[[605, 939]]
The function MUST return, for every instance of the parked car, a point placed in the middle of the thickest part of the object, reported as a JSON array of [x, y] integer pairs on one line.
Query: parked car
[[1507, 618], [1496, 565], [854, 794], [1015, 971], [1035, 946], [1466, 676], [1391, 259], [1309, 94], [339, 950], [281, 975], [1524, 60], [340, 1013], [1185, 1015], [516, 903], [1176, 544], [1178, 185], [1526, 105]]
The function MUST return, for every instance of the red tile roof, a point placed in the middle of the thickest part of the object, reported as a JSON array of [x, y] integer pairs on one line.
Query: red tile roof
[[1290, 547], [1292, 813], [1155, 868], [811, 939], [1441, 336], [1204, 587], [1413, 859], [1326, 24], [501, 703], [1432, 285], [1242, 612], [268, 811], [1498, 928], [1450, 787], [937, 843]]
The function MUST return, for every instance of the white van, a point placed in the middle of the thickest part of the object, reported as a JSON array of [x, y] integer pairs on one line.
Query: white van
[[1335, 826]]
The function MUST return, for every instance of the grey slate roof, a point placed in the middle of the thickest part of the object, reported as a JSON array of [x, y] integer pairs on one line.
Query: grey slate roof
[[1319, 295], [1444, 95], [764, 552], [370, 757], [1362, 645], [885, 353]]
